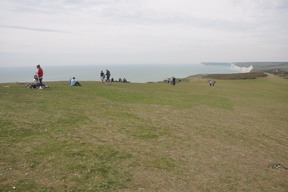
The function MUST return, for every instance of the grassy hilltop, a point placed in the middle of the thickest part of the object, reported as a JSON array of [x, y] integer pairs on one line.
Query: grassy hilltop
[[146, 137]]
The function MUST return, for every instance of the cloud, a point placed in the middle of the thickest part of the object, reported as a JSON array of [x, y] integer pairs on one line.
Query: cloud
[[32, 29], [146, 31]]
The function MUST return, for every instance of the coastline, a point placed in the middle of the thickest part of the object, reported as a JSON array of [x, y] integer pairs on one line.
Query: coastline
[[133, 73]]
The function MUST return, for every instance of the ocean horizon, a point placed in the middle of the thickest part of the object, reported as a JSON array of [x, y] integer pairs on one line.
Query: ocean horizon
[[134, 73]]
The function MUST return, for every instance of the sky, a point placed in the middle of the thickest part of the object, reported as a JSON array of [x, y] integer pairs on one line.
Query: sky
[[91, 32]]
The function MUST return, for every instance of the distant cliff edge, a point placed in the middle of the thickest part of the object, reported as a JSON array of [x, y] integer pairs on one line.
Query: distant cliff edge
[[242, 69], [253, 66]]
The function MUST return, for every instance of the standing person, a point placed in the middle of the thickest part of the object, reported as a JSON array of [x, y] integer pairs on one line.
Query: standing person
[[40, 74], [174, 81], [102, 76], [171, 81], [108, 74]]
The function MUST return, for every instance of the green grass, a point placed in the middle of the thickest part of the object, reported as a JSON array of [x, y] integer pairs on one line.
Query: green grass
[[145, 137]]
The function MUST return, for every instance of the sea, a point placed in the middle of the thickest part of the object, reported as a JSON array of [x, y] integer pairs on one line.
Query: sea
[[137, 73]]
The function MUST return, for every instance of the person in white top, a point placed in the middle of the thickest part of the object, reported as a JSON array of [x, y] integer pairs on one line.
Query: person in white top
[[73, 82]]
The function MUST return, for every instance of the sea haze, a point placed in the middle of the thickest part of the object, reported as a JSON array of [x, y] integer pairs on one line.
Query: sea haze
[[134, 73]]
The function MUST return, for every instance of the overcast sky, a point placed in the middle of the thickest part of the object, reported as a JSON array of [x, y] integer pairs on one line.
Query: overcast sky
[[91, 32]]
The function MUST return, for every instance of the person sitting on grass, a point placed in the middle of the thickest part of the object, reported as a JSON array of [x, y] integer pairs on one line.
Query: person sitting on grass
[[73, 82], [34, 84]]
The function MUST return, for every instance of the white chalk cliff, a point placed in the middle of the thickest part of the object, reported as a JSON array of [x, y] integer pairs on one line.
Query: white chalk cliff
[[241, 69]]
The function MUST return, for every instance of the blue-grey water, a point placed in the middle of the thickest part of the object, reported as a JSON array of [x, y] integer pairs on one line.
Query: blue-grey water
[[133, 73]]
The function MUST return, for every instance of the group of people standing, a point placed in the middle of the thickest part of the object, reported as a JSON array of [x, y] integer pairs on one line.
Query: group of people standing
[[105, 77], [171, 80]]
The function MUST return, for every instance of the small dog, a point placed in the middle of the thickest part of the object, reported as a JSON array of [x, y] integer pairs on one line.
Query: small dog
[[212, 83], [31, 86]]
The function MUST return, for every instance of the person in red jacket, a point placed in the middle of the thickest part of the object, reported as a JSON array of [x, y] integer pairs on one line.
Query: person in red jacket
[[40, 74]]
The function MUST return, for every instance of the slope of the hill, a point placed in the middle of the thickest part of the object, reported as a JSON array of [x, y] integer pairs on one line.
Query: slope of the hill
[[146, 137]]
